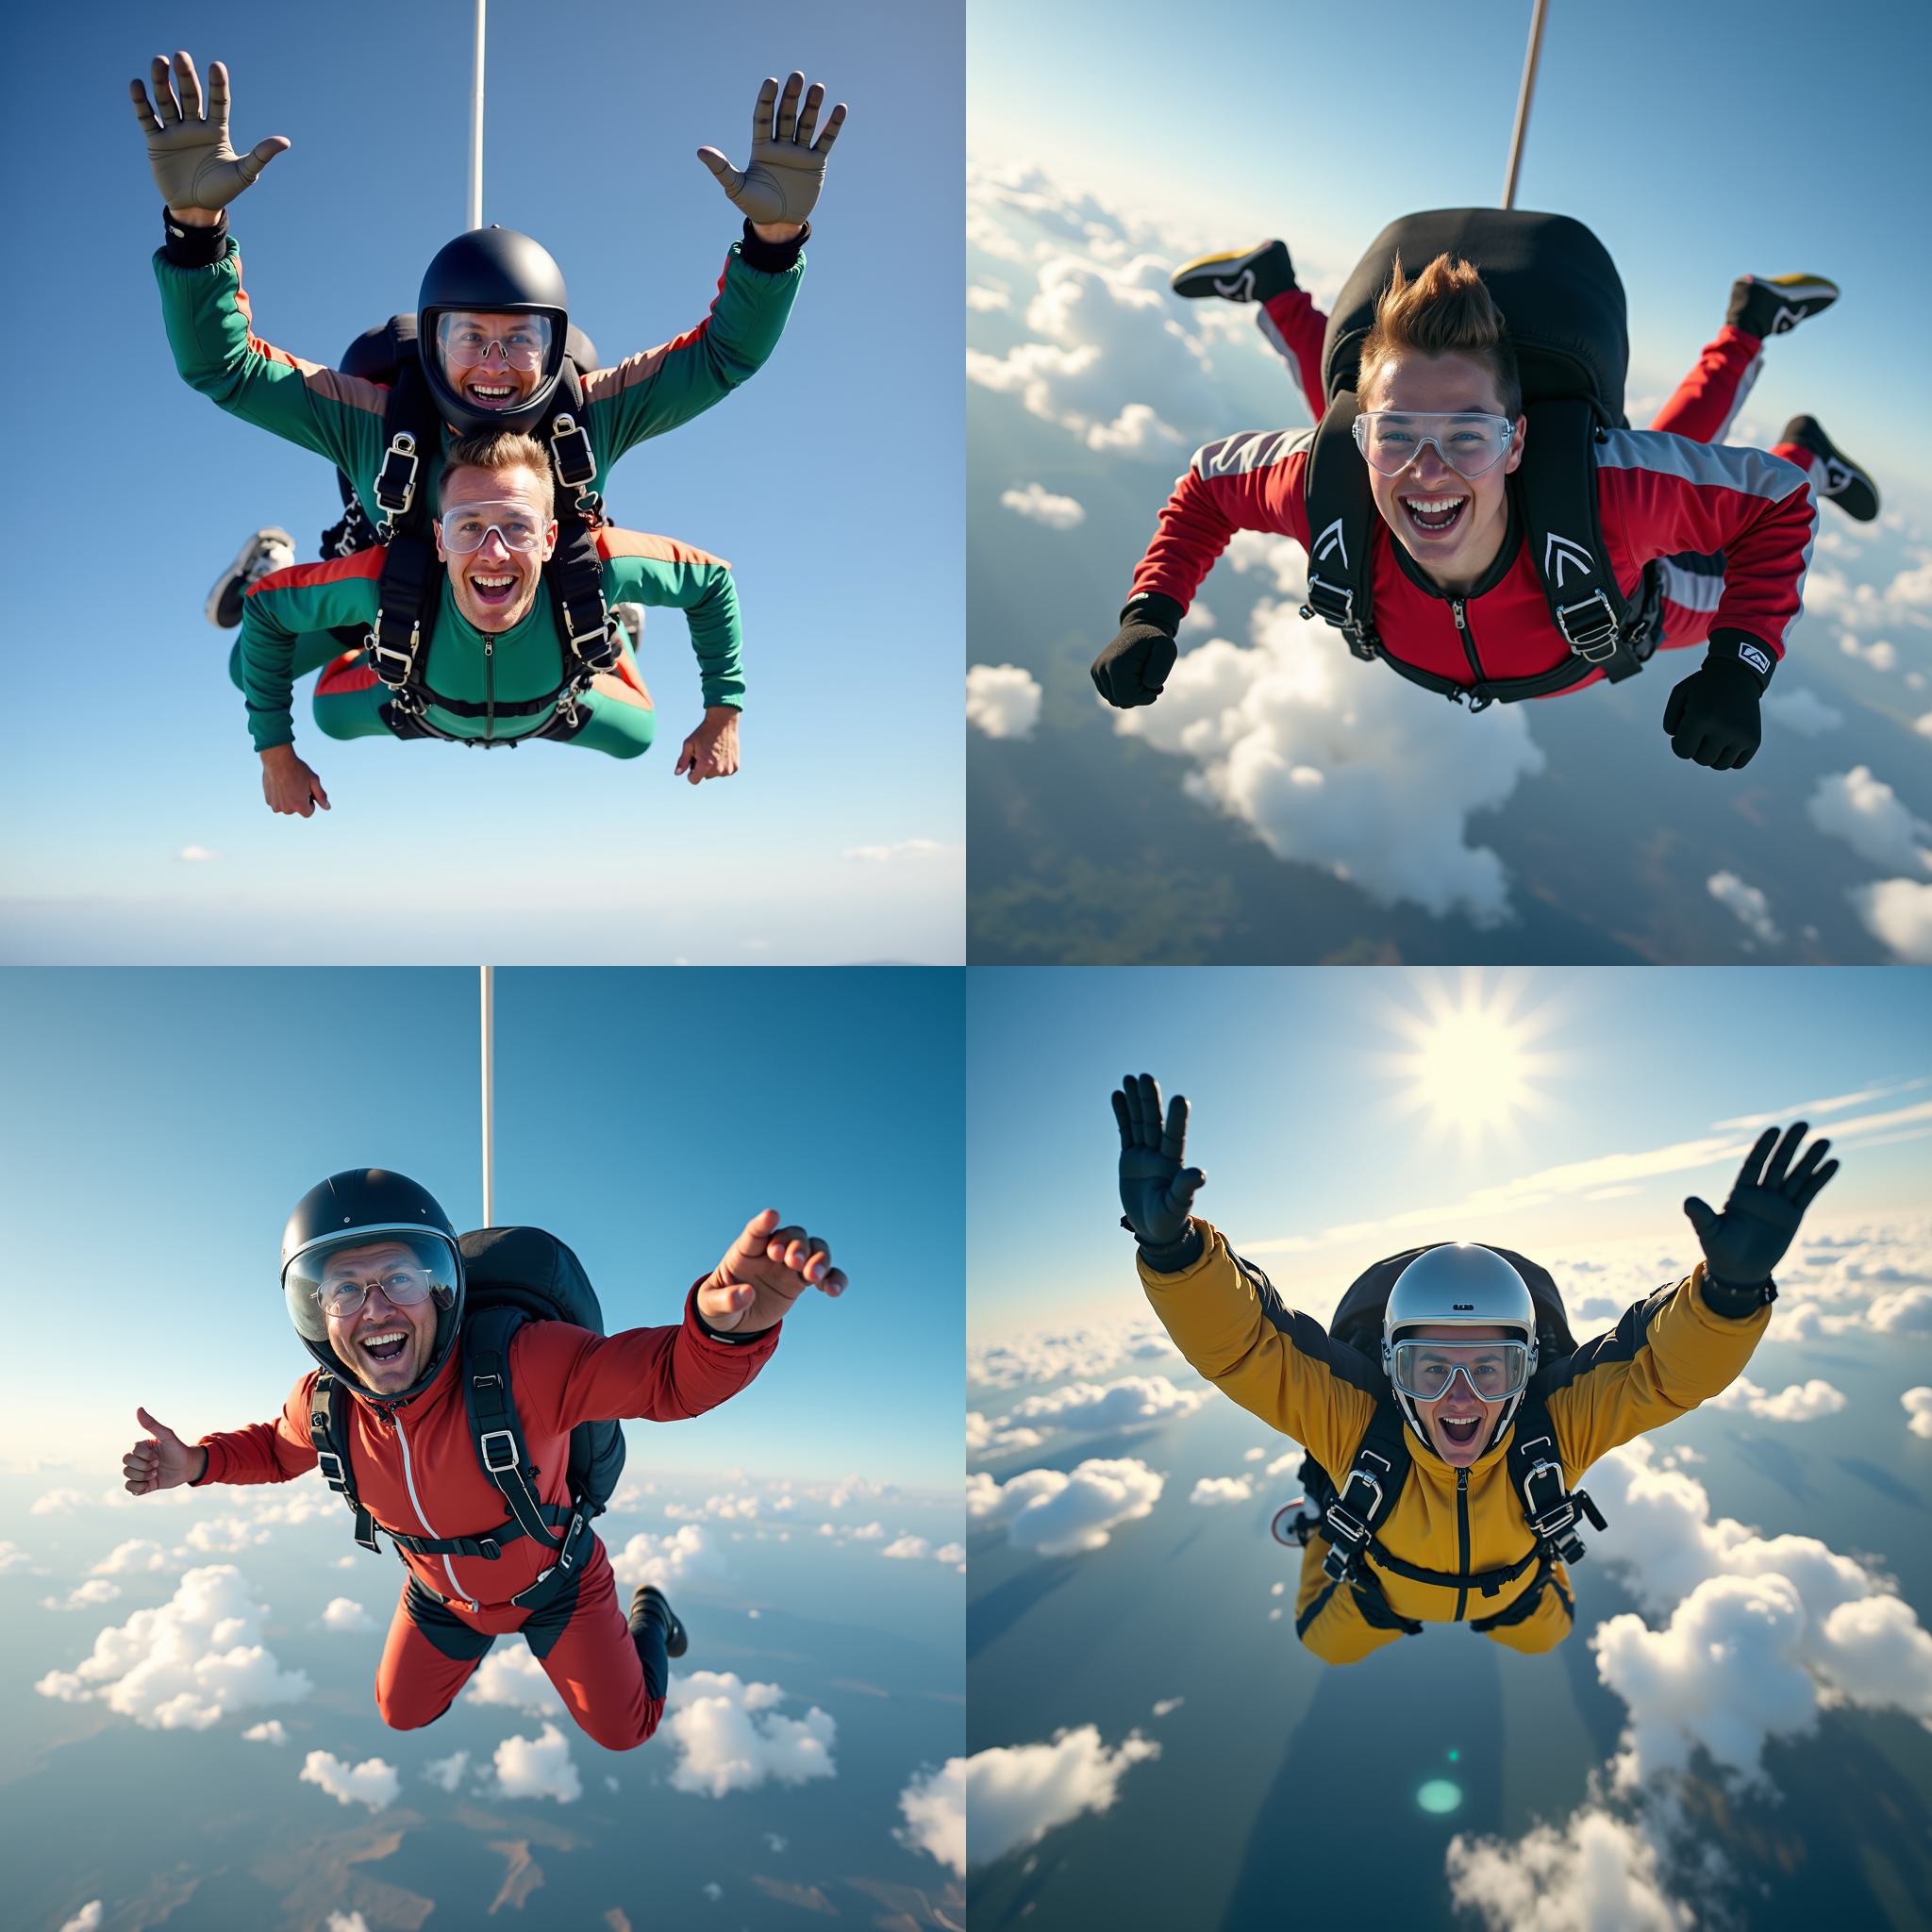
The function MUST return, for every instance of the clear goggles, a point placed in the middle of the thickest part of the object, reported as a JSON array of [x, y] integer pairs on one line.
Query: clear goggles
[[467, 526], [466, 343], [332, 1280], [1427, 1370], [1391, 439]]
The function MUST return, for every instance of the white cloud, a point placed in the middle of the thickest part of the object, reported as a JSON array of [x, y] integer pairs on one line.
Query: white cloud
[[987, 299], [1036, 1357], [1802, 711], [1354, 775], [58, 1503], [1059, 1514], [446, 1774], [950, 1553], [14, 1558], [1015, 1794], [268, 1732], [344, 1614], [1905, 1311], [903, 848], [997, 1438], [1881, 654], [196, 855], [185, 1664], [1036, 503], [1923, 728], [1752, 907], [346, 1921], [87, 1920], [372, 1782], [1003, 700], [225, 1536], [1134, 1401], [934, 1805], [511, 1675], [662, 1560], [1211, 1491], [1912, 586], [538, 1767], [1869, 816], [84, 1596], [729, 1736], [914, 1547], [1596, 1874], [135, 1558], [1918, 1408], [1898, 914], [1798, 1403], [1166, 1706]]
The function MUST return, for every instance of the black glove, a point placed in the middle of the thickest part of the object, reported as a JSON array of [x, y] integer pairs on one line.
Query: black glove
[[1133, 669], [1155, 1190], [1747, 1241], [1712, 716]]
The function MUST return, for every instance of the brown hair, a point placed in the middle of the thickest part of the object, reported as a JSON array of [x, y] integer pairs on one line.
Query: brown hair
[[1445, 310], [498, 450]]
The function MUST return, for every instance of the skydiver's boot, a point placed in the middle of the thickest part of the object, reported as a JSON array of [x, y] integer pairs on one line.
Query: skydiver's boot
[[1241, 275], [1842, 482], [657, 1634], [268, 549], [1765, 305]]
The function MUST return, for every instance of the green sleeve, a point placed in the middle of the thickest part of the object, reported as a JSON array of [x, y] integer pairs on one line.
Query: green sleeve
[[210, 333], [645, 395], [279, 609], [659, 570]]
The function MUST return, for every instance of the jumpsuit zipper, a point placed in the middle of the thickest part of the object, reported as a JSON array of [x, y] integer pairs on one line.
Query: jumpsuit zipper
[[423, 1515], [1468, 637], [1461, 1529], [490, 689]]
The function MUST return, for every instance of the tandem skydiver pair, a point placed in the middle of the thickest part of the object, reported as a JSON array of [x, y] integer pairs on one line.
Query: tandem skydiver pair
[[1477, 512], [439, 641], [460, 1377], [1446, 1412]]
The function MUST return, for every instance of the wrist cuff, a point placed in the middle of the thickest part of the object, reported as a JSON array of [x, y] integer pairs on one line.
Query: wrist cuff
[[772, 258], [1734, 1304], [1747, 653], [1172, 1258], [734, 1337], [193, 247], [1155, 607]]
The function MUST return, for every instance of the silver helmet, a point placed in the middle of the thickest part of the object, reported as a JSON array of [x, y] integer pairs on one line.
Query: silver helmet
[[1464, 1285]]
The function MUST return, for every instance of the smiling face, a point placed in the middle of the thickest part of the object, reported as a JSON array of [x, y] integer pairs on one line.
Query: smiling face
[[1458, 1422], [380, 1321], [495, 586], [495, 361], [1456, 557]]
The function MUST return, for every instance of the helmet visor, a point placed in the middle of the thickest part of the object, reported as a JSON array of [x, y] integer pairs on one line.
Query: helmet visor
[[337, 1276], [1427, 1370], [469, 339]]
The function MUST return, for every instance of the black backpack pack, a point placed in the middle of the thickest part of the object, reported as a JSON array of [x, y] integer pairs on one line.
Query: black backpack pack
[[399, 641], [1561, 297], [510, 1276], [1349, 1514]]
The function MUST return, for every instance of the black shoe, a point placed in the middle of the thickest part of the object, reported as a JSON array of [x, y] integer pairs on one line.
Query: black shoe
[[648, 1595], [1244, 274], [1844, 484], [1765, 305], [268, 549]]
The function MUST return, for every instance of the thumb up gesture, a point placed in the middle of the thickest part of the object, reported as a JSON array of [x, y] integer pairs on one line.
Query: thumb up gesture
[[162, 1462]]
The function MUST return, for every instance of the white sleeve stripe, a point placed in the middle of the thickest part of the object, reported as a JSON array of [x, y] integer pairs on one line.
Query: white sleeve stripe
[[1251, 449], [1754, 472]]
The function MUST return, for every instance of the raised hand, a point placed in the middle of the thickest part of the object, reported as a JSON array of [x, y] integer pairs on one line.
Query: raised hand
[[786, 173], [1767, 1201], [163, 1461], [764, 1271], [1156, 1190], [194, 166]]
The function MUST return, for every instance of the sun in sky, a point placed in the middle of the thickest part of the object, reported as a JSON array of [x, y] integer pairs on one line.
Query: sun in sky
[[1472, 1060]]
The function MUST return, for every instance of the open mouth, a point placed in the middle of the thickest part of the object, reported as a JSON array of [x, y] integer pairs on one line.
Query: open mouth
[[387, 1347], [1461, 1430], [1434, 516], [492, 592], [493, 395]]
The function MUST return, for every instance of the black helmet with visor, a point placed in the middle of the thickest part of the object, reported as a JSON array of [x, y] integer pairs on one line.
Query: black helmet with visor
[[495, 272]]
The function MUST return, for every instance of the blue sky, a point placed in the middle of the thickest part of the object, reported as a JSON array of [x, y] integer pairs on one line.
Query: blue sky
[[833, 484], [164, 1122], [1699, 144], [1327, 1103]]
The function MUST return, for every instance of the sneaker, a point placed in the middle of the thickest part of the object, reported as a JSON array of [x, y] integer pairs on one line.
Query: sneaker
[[675, 1641], [1764, 305], [632, 617], [1845, 484], [1244, 274], [267, 550]]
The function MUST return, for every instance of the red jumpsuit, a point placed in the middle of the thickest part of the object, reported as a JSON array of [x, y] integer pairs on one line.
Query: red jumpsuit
[[1733, 527], [415, 1470]]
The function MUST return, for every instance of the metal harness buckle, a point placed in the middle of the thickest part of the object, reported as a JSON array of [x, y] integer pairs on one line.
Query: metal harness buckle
[[337, 1477], [491, 1436], [381, 657], [395, 482], [1597, 639]]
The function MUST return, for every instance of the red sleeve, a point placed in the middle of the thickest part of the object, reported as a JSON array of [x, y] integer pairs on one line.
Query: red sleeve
[[272, 1452], [1662, 493], [655, 1374], [1252, 481]]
